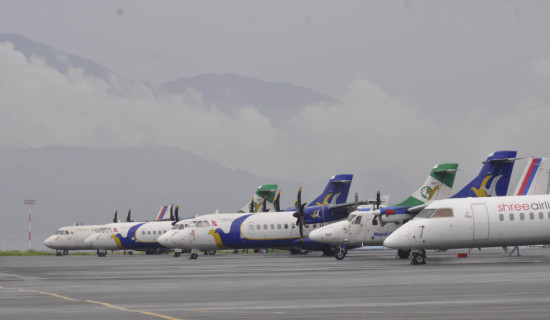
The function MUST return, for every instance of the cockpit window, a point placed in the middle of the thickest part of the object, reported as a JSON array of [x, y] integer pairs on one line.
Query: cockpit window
[[443, 213], [426, 213], [193, 223], [351, 217], [205, 224], [181, 226], [436, 213], [357, 220], [175, 227]]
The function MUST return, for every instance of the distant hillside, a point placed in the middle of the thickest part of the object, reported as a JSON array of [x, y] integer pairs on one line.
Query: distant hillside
[[230, 91], [56, 58]]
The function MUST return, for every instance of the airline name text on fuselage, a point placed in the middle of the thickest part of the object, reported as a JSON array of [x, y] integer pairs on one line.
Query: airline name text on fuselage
[[540, 205]]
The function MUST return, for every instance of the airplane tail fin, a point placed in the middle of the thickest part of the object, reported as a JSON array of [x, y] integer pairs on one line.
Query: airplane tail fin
[[335, 192], [438, 185], [494, 177], [535, 178], [265, 193], [163, 212]]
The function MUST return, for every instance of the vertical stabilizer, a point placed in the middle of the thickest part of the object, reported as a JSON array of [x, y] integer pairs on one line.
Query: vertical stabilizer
[[535, 178], [438, 185], [265, 192], [335, 192], [494, 177]]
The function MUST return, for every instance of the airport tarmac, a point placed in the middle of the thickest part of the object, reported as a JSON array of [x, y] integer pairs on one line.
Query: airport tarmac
[[366, 285]]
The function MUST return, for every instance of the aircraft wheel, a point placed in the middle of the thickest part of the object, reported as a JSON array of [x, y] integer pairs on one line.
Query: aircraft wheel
[[403, 254], [211, 252], [418, 258], [177, 254], [328, 252], [193, 256], [58, 253], [340, 253]]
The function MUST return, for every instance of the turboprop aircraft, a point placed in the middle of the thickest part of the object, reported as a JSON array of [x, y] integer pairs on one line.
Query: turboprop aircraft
[[285, 230], [475, 223], [145, 235], [371, 227], [362, 227], [73, 237]]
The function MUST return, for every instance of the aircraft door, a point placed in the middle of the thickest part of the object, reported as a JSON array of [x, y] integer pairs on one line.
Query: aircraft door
[[481, 222], [356, 229]]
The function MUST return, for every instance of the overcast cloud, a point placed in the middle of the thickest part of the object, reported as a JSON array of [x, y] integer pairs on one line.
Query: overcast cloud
[[422, 81]]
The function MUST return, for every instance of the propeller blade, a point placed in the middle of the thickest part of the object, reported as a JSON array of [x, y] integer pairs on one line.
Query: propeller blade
[[276, 203], [171, 213], [356, 201], [177, 218], [264, 204], [128, 219], [115, 218], [252, 205], [299, 214], [378, 200]]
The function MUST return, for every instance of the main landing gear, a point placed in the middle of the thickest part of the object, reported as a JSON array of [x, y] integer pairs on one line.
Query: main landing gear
[[194, 254], [418, 257], [101, 252], [403, 254]]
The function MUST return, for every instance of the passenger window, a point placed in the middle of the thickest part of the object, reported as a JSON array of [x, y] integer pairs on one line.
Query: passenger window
[[257, 227], [148, 232], [286, 225], [511, 217], [501, 217], [250, 227], [265, 226], [272, 226], [443, 213], [293, 226], [541, 215], [143, 232], [278, 226], [531, 215], [522, 216], [154, 232]]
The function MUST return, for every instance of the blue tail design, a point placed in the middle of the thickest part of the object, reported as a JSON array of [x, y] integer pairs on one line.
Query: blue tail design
[[494, 177], [335, 192]]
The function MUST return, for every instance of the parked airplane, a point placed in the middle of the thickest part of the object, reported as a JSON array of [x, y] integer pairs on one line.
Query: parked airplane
[[475, 223], [370, 228], [362, 228], [145, 235], [286, 229], [73, 237]]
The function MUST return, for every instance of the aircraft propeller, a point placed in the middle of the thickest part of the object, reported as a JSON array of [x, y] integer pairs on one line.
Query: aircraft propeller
[[128, 219], [299, 214], [251, 209], [115, 219], [276, 203], [177, 218], [171, 213], [264, 204]]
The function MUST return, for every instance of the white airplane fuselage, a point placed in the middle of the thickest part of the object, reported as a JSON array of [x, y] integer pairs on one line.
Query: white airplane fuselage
[[361, 228], [129, 235], [477, 222], [241, 231], [71, 237]]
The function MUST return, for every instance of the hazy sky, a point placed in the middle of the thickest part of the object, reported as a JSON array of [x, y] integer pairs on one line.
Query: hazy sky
[[420, 82]]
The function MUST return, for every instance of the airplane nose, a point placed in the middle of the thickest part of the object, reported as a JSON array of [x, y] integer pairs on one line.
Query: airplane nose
[[165, 240], [317, 235], [88, 241], [399, 239], [49, 241]]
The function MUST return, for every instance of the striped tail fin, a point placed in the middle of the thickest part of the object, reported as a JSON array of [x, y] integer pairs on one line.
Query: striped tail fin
[[535, 178]]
